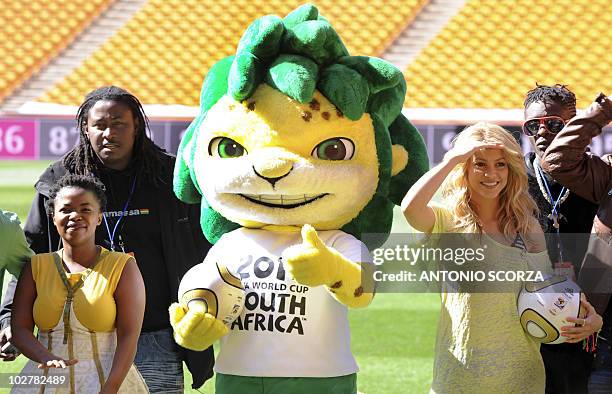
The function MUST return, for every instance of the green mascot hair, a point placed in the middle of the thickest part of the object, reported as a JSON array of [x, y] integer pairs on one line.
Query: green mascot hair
[[297, 55]]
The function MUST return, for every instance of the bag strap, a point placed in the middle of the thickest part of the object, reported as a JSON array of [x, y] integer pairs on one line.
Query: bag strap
[[71, 289]]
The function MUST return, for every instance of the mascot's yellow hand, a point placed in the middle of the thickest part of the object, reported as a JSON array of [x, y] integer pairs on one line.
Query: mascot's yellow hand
[[195, 329], [311, 263]]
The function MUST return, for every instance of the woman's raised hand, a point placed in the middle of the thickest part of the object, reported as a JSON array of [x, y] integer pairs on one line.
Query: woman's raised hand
[[463, 152]]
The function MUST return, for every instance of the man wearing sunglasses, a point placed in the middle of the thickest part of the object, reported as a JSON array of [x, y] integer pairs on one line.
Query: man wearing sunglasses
[[590, 176], [565, 218]]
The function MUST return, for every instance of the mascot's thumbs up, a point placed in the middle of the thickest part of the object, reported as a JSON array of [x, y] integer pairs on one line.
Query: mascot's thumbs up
[[312, 263]]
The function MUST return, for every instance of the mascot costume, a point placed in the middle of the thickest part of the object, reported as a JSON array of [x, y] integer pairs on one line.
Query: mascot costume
[[298, 151]]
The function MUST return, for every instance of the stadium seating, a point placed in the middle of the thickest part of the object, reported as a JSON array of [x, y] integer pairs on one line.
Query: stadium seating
[[493, 51], [163, 52], [35, 31]]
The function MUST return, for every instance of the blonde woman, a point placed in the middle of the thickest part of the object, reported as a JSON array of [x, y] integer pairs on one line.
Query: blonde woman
[[480, 344]]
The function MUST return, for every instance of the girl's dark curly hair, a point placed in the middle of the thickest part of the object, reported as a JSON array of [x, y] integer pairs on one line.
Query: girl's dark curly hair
[[84, 182]]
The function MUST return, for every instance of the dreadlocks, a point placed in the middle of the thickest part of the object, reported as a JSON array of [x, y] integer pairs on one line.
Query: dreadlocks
[[82, 158], [552, 94]]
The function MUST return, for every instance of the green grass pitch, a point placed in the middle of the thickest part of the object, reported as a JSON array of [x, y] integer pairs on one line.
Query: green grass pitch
[[392, 339]]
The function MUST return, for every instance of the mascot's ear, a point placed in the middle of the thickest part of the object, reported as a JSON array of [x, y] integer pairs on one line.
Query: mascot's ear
[[399, 159], [406, 138], [214, 87]]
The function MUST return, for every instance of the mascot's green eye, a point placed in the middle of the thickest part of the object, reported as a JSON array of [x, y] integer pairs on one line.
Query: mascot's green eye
[[225, 148], [334, 149]]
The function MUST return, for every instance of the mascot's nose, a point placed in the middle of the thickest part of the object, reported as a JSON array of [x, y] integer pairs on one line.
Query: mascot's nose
[[272, 169]]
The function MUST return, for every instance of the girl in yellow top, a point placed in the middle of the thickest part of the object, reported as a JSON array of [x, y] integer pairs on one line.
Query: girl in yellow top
[[480, 344], [87, 302]]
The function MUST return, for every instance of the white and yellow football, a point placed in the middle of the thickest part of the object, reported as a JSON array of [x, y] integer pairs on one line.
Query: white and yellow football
[[544, 306], [215, 285]]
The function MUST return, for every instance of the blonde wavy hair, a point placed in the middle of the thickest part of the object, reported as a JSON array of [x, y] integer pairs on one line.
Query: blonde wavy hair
[[517, 208]]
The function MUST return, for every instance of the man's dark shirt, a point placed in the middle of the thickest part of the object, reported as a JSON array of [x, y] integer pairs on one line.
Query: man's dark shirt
[[574, 227], [140, 232]]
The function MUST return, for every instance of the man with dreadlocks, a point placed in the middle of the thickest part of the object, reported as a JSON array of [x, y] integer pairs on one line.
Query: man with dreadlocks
[[566, 217], [143, 217]]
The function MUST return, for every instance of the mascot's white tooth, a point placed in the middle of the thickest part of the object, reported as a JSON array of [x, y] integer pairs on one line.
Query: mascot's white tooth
[[297, 288]]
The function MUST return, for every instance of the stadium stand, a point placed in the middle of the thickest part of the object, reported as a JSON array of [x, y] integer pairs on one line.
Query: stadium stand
[[162, 54], [35, 31], [493, 51]]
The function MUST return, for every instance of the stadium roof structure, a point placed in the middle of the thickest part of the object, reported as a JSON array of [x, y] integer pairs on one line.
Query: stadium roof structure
[[463, 60]]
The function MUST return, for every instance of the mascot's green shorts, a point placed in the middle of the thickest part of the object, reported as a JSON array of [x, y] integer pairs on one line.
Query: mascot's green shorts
[[299, 150]]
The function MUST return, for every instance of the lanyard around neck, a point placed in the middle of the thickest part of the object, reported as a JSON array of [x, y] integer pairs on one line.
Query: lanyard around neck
[[111, 235], [553, 202], [554, 215]]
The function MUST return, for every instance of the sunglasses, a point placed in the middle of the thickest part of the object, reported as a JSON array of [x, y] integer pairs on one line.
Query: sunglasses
[[553, 124]]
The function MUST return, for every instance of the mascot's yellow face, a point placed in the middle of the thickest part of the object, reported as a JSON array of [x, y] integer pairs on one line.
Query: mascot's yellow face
[[271, 160]]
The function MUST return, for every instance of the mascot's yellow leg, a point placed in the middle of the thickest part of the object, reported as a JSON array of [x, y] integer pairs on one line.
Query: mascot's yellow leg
[[195, 329], [312, 263]]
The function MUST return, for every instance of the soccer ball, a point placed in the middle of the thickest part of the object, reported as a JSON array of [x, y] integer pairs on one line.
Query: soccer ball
[[219, 288], [544, 306]]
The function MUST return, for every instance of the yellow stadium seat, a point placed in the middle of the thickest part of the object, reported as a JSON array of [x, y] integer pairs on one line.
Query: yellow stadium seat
[[41, 28], [158, 31], [487, 56], [509, 45]]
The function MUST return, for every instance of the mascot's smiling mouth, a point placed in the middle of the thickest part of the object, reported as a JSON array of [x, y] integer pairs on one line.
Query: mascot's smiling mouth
[[283, 200]]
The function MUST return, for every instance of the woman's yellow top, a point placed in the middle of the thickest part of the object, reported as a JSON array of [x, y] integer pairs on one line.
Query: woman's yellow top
[[480, 345], [94, 303]]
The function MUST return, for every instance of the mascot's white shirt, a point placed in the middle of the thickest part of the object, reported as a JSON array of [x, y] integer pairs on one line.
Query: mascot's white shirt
[[286, 329]]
